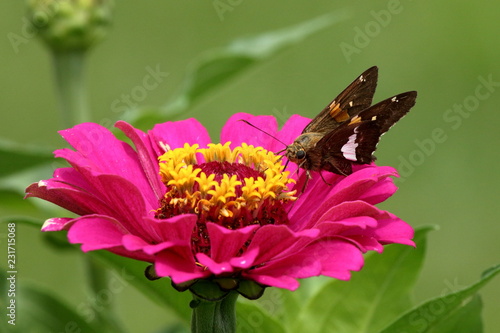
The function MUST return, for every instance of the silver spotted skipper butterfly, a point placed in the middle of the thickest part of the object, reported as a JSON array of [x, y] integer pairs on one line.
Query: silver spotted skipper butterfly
[[349, 128]]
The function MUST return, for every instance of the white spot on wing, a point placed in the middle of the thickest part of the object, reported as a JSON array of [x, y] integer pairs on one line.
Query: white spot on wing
[[394, 99], [362, 78], [349, 149]]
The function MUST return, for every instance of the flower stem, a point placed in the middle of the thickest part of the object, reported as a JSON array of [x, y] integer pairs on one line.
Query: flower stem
[[214, 316], [69, 72]]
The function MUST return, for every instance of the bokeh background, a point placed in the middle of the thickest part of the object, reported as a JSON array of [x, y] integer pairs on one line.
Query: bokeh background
[[447, 148]]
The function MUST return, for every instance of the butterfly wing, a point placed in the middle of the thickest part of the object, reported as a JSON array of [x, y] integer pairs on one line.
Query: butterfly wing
[[355, 98], [356, 140]]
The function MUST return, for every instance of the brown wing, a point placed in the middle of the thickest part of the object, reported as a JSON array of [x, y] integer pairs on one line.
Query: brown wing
[[356, 140], [350, 102]]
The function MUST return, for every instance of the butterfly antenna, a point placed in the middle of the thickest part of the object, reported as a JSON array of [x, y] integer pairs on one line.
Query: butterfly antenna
[[260, 129], [286, 163]]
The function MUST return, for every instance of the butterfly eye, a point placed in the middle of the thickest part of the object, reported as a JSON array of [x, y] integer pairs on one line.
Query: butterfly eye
[[300, 154]]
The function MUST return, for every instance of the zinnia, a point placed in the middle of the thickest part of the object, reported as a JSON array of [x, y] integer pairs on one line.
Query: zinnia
[[202, 211]]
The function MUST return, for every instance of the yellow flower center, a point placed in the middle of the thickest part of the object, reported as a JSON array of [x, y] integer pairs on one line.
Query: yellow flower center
[[231, 187]]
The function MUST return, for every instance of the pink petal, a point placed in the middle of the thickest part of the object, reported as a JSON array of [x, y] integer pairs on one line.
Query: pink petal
[[65, 195], [316, 259], [176, 134], [74, 179], [99, 152], [383, 189], [350, 209], [238, 132], [137, 255], [226, 243], [128, 203], [57, 224], [350, 188], [96, 232], [178, 263], [279, 240], [292, 128], [214, 267], [394, 230], [147, 156], [133, 242], [176, 228], [347, 258], [246, 260], [273, 280], [352, 224], [154, 249], [364, 243]]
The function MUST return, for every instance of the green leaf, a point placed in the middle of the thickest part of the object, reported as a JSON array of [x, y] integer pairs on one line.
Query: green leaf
[[36, 308], [160, 291], [15, 157], [465, 320], [450, 313], [252, 318], [216, 67], [288, 305], [372, 298]]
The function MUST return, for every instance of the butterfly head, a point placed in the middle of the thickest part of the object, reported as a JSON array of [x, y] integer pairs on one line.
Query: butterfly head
[[297, 151]]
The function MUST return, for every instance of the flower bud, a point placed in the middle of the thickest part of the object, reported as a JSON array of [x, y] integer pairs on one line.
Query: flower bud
[[70, 25]]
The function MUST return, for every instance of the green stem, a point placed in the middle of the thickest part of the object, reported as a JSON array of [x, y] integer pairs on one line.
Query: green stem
[[69, 71], [214, 316]]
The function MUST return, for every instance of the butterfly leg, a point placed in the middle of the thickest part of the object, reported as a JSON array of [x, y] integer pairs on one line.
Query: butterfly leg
[[324, 180], [306, 181]]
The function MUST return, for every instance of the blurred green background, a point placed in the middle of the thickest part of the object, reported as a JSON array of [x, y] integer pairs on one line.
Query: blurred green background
[[445, 148]]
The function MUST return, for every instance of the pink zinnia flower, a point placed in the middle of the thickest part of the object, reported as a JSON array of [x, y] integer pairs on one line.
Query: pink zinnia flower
[[196, 210]]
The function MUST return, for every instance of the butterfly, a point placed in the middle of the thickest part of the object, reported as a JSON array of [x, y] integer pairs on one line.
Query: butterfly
[[349, 128]]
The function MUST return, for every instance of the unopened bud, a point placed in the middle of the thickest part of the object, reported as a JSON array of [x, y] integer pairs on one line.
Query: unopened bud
[[70, 25]]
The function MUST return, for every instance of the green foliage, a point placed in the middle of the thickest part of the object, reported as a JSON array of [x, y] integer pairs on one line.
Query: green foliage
[[458, 311]]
